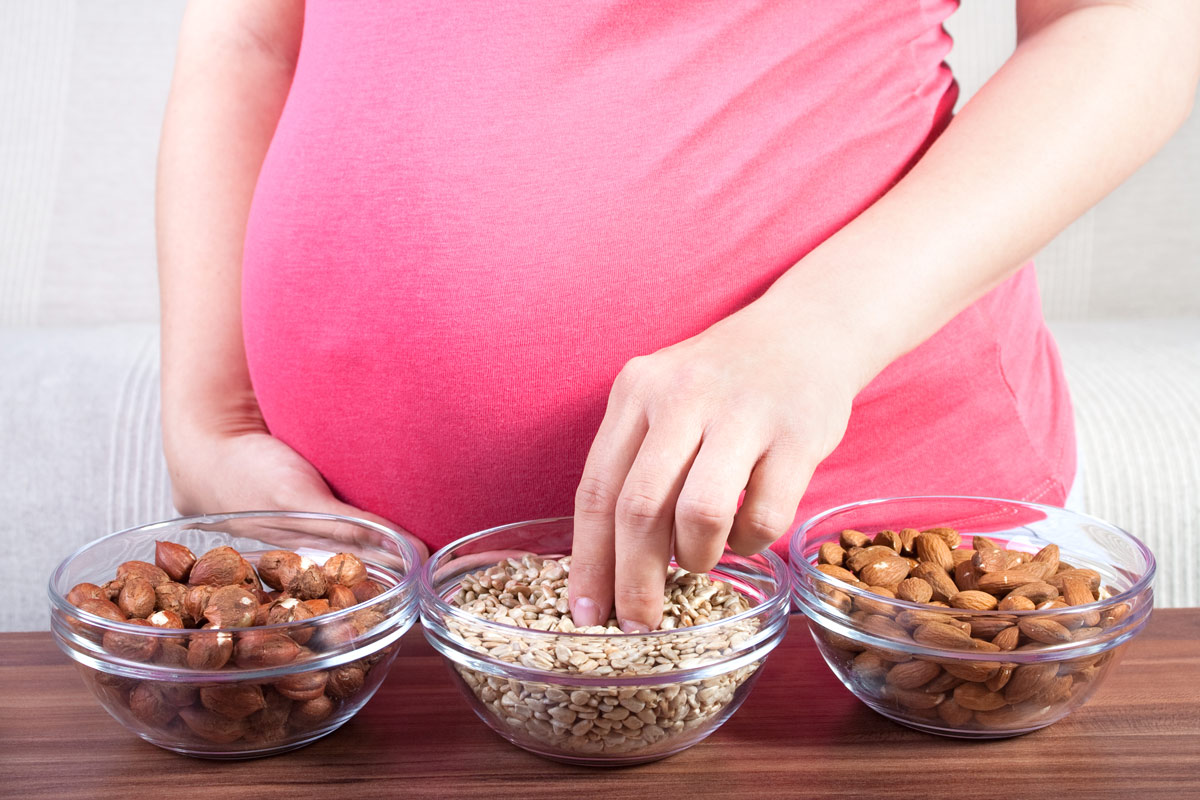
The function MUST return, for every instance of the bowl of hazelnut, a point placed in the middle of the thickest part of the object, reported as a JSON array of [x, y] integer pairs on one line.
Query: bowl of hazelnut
[[236, 635], [970, 617]]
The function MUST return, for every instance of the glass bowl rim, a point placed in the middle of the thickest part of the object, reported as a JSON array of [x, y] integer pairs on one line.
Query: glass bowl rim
[[797, 562], [408, 578], [779, 600]]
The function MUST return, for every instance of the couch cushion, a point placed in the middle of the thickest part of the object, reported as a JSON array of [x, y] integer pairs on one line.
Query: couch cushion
[[1136, 388], [82, 453]]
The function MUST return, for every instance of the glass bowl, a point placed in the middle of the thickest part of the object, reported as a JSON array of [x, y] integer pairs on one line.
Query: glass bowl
[[283, 685], [599, 699], [1010, 671]]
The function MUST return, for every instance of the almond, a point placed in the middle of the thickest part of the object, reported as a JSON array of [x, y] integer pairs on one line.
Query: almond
[[1090, 576], [889, 539], [961, 555], [837, 573], [932, 548], [863, 556], [987, 626], [1027, 680], [913, 618], [912, 698], [1048, 555], [1046, 631], [908, 541], [1114, 615], [1038, 592], [1012, 602], [851, 538], [953, 714], [174, 559], [984, 543], [973, 671], [1004, 581], [1001, 678], [939, 581], [966, 576], [978, 697], [914, 590], [990, 560], [1075, 591], [950, 536], [1008, 638], [884, 572], [973, 600], [879, 625], [913, 674], [942, 683], [871, 605], [831, 553], [937, 634]]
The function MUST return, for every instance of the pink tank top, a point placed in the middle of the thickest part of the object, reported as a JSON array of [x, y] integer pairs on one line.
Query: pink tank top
[[471, 217]]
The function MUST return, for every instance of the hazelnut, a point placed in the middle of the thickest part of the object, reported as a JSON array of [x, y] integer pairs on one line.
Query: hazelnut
[[137, 597], [172, 653], [318, 606], [250, 582], [103, 608], [256, 649], [221, 566], [85, 591], [209, 649], [195, 601], [335, 635], [131, 646], [212, 727], [367, 590], [309, 585], [231, 607], [174, 559], [171, 596], [291, 610], [303, 685], [145, 570], [270, 722], [178, 694], [311, 712], [340, 596], [278, 568], [345, 569], [345, 680], [148, 706], [234, 700], [112, 589]]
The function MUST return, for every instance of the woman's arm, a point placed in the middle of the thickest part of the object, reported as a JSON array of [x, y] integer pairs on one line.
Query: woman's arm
[[758, 400], [232, 75]]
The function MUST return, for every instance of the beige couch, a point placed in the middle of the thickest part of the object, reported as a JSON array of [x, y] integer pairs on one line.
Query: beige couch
[[84, 85]]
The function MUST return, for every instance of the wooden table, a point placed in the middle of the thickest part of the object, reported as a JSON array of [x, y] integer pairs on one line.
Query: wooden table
[[800, 734]]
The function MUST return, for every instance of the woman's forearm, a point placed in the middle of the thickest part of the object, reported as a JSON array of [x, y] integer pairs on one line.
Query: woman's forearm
[[232, 76], [1091, 92]]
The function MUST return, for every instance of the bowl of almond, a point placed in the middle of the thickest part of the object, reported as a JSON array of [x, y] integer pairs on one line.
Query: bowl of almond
[[970, 617], [236, 635]]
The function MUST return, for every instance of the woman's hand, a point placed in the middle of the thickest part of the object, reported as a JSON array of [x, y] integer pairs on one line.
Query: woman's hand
[[250, 470], [748, 404]]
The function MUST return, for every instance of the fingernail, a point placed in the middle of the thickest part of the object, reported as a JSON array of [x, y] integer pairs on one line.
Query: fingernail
[[585, 612], [633, 626]]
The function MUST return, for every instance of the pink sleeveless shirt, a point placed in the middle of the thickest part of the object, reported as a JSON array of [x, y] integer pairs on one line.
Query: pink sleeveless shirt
[[471, 217]]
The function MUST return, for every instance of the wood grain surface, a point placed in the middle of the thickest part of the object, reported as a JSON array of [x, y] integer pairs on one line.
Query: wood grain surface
[[799, 734]]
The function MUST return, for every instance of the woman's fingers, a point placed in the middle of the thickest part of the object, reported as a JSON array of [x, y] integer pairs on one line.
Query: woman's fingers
[[708, 502], [772, 496], [593, 551], [644, 520]]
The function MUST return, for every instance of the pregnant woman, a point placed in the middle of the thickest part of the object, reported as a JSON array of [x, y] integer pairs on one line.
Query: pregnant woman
[[686, 270]]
